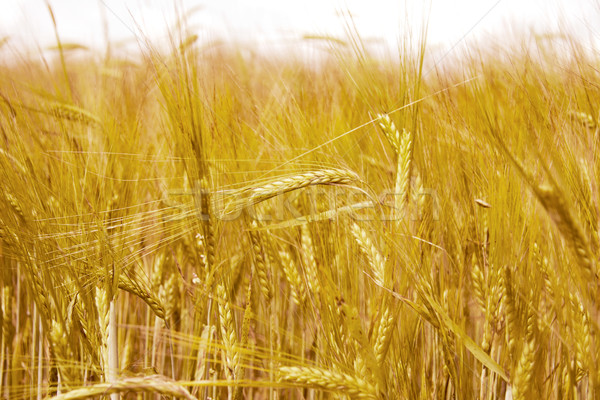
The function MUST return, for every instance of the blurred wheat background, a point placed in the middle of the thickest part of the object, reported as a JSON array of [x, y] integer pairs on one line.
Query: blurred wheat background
[[200, 221]]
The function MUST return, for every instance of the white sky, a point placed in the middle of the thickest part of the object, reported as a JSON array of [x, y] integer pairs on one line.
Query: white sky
[[272, 24]]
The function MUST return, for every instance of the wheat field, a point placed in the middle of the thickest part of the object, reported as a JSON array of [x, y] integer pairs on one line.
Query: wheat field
[[204, 223]]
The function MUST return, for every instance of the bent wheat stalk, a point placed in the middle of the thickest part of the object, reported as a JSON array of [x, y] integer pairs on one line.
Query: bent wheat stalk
[[284, 185], [251, 196], [329, 380], [148, 384]]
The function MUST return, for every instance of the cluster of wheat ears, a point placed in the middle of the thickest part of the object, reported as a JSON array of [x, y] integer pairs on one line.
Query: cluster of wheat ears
[[204, 223]]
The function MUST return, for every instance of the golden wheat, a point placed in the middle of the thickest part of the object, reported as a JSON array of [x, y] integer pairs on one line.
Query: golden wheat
[[329, 380]]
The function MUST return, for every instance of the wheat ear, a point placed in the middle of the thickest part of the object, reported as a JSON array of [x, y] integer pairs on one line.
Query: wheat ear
[[228, 335], [569, 226], [247, 321], [365, 349], [102, 308], [329, 380], [402, 144], [524, 372], [283, 185], [376, 260], [260, 262], [73, 113], [510, 310], [60, 345], [293, 277], [389, 130], [132, 286], [310, 264]]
